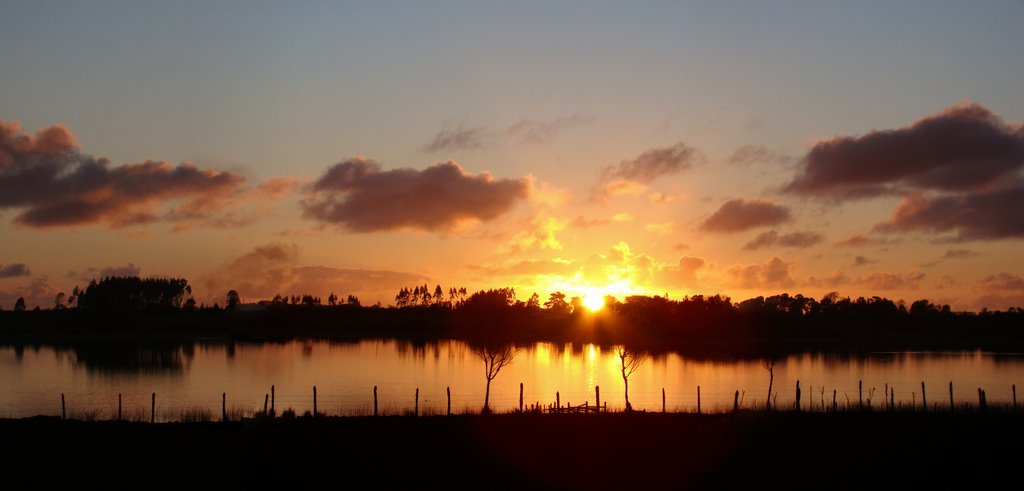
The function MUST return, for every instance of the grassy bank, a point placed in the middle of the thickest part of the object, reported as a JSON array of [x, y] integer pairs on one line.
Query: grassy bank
[[608, 451]]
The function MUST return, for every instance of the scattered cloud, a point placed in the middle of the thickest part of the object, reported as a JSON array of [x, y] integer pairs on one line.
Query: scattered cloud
[[459, 138], [738, 215], [861, 240], [892, 281], [974, 216], [1003, 281], [795, 239], [14, 270], [633, 175], [40, 292], [963, 148], [774, 273], [360, 196], [657, 198], [862, 261], [534, 131], [53, 184], [747, 155], [274, 268], [539, 234], [660, 228], [547, 194], [94, 273]]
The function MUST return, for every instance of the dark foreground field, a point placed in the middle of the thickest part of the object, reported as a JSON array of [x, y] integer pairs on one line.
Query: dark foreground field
[[613, 451]]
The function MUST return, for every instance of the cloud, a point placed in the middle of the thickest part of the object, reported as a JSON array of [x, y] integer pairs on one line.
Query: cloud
[[580, 222], [635, 174], [862, 261], [963, 148], [360, 196], [94, 273], [274, 268], [773, 273], [14, 270], [755, 154], [978, 216], [1003, 282], [892, 281], [662, 198], [540, 234], [40, 292], [738, 215], [685, 271], [794, 239], [534, 131], [861, 240], [532, 268], [461, 138], [53, 184]]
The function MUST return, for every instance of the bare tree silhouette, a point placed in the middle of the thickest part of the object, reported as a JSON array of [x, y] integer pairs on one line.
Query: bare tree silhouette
[[769, 364], [495, 357], [630, 360]]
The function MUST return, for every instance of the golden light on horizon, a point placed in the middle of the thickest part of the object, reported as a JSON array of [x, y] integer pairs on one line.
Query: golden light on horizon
[[593, 301]]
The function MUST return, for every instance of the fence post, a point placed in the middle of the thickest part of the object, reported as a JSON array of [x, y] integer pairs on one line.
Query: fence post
[[798, 395], [416, 408], [119, 407], [152, 408], [698, 399], [63, 412], [981, 399], [597, 396], [736, 402], [663, 400], [224, 406], [314, 401], [860, 394], [374, 400], [834, 408], [449, 390], [1015, 397], [558, 400], [924, 401], [951, 405], [892, 399], [520, 397]]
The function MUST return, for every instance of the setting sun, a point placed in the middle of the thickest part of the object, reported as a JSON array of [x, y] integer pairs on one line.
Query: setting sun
[[593, 301]]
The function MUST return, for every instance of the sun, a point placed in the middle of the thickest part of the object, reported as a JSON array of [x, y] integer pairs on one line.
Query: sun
[[593, 301]]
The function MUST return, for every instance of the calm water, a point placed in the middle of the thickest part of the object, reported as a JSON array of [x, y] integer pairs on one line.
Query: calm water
[[32, 379]]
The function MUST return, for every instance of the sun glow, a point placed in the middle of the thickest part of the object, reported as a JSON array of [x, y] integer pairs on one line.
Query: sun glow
[[593, 301]]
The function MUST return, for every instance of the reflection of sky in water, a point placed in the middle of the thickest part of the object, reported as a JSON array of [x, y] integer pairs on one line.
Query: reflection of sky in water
[[183, 376]]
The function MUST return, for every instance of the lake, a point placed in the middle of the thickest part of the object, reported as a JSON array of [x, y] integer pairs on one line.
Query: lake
[[194, 376]]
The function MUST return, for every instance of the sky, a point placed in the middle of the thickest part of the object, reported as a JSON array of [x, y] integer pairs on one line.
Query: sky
[[680, 148]]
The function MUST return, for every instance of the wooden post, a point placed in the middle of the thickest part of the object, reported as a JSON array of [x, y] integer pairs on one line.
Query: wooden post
[[266, 400], [798, 395], [374, 400], [952, 406], [1015, 397], [892, 398], [272, 399], [597, 397], [63, 412], [698, 400], [224, 406], [834, 400], [152, 408], [450, 401], [860, 394], [663, 400], [981, 399], [416, 408], [119, 407], [924, 401], [558, 400], [314, 400], [736, 402], [520, 397]]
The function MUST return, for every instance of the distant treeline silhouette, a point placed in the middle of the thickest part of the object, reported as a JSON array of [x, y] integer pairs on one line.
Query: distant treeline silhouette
[[774, 323]]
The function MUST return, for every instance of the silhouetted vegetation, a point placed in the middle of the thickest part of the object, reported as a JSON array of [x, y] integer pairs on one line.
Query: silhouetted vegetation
[[129, 307]]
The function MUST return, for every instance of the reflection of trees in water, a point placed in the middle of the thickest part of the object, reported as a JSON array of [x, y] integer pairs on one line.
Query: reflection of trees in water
[[133, 358]]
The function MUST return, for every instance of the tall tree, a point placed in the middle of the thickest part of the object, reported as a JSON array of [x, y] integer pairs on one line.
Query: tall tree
[[495, 357], [629, 360]]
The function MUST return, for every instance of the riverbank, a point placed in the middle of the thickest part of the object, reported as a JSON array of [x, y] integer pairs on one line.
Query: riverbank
[[514, 451]]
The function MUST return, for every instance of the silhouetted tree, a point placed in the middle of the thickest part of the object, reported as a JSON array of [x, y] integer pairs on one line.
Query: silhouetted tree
[[534, 302], [353, 301], [58, 301], [556, 303], [495, 357], [19, 304], [629, 360], [131, 293], [233, 301], [332, 299], [769, 364]]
